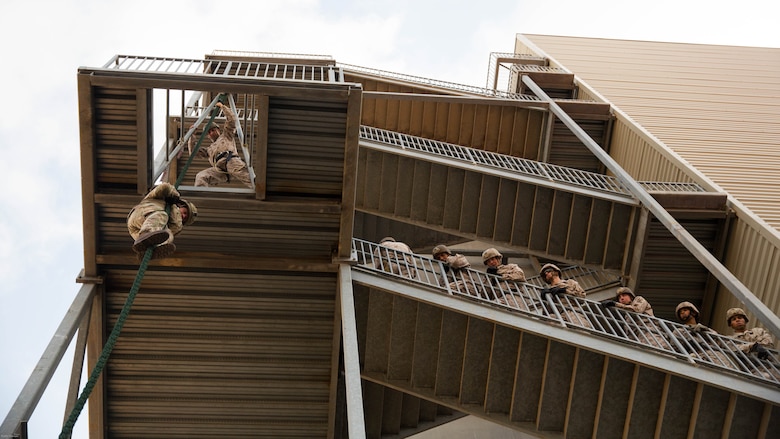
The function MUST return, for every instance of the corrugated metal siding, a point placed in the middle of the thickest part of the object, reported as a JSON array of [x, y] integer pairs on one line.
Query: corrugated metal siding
[[305, 147], [116, 132], [642, 158], [705, 102], [756, 261], [221, 354], [497, 126]]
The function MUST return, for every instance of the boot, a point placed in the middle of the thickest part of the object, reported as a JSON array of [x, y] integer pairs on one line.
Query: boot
[[150, 239], [163, 251]]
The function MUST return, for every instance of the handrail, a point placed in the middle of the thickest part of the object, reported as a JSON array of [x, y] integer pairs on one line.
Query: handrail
[[648, 332], [453, 86], [544, 172], [223, 68], [496, 59], [163, 159]]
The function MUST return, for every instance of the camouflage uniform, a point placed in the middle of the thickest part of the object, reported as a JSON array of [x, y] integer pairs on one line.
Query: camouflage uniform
[[638, 305], [459, 277], [645, 330], [755, 341], [149, 215], [503, 283], [223, 156], [751, 336], [694, 335], [393, 262], [755, 335], [571, 287]]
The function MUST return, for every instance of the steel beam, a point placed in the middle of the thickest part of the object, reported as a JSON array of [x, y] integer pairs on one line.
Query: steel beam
[[32, 391]]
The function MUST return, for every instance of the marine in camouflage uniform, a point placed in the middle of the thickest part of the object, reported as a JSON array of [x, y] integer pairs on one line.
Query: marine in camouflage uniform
[[693, 335], [393, 261], [551, 275], [645, 330], [757, 339], [222, 154], [456, 273], [505, 278], [151, 226]]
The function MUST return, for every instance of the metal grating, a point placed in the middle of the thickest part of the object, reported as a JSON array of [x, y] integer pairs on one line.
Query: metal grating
[[222, 68]]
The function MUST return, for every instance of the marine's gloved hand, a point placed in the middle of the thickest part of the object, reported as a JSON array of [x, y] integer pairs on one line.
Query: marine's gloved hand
[[552, 290], [699, 328], [558, 290], [608, 303], [760, 351], [492, 270], [172, 199]]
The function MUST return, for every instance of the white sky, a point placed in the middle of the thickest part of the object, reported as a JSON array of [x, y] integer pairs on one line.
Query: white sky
[[46, 42]]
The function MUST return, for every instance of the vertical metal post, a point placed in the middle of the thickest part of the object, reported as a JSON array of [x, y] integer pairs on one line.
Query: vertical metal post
[[78, 364], [355, 415]]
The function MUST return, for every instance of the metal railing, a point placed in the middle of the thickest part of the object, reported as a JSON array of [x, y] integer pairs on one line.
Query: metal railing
[[533, 169], [528, 299], [250, 54], [479, 91], [497, 59], [173, 150], [526, 68], [222, 68]]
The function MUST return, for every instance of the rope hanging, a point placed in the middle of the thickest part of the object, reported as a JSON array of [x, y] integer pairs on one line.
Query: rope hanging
[[67, 428]]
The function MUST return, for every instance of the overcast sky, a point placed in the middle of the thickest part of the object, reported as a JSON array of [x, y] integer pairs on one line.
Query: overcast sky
[[46, 42]]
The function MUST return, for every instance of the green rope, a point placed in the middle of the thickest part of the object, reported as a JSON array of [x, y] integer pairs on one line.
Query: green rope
[[67, 428]]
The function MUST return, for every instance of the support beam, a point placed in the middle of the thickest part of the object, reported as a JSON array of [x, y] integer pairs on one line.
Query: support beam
[[33, 390], [740, 291], [355, 416]]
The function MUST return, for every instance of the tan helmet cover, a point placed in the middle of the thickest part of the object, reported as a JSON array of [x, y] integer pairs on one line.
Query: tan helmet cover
[[624, 290], [735, 312], [548, 266], [490, 254], [193, 211], [687, 305], [440, 249]]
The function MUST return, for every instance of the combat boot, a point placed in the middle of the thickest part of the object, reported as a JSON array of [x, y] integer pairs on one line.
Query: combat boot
[[150, 239], [163, 251]]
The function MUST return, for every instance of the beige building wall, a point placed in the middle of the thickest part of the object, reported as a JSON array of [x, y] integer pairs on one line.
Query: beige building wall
[[691, 112]]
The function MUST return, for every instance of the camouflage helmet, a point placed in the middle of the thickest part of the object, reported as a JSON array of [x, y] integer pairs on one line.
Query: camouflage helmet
[[490, 254], [689, 305], [441, 249], [624, 290], [387, 239], [191, 209], [547, 267], [735, 312]]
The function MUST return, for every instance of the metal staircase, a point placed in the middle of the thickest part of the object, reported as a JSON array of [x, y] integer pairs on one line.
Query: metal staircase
[[524, 367]]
